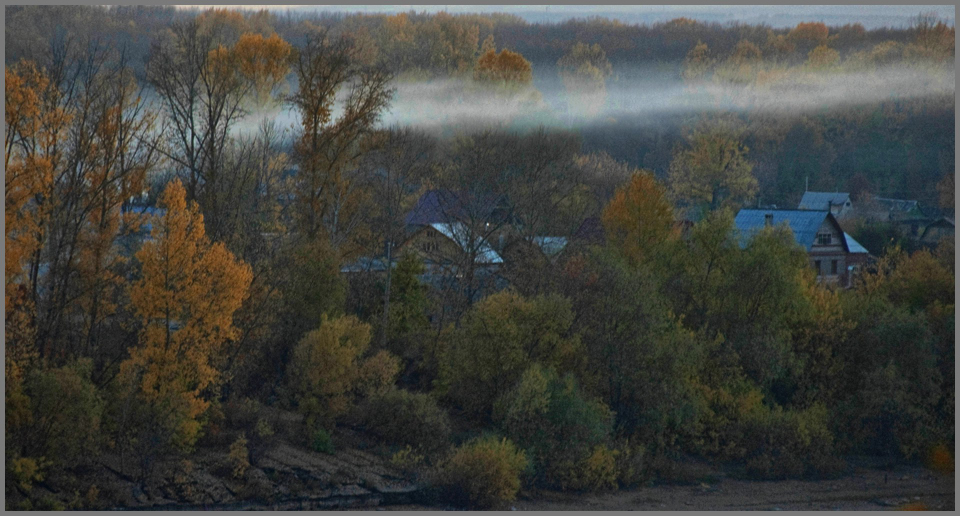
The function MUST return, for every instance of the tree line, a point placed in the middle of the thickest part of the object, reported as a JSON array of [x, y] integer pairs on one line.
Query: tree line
[[141, 329]]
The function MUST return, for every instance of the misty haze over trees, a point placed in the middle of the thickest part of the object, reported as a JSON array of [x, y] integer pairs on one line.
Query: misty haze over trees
[[498, 253]]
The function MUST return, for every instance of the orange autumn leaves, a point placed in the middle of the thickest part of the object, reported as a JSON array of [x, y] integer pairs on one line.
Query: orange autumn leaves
[[260, 62], [638, 217], [185, 299], [506, 66], [32, 128]]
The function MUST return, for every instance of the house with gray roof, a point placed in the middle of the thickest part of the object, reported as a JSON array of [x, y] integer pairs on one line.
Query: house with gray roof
[[834, 254], [837, 203]]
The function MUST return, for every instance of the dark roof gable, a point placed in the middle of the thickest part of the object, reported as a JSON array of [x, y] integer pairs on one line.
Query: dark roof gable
[[446, 207]]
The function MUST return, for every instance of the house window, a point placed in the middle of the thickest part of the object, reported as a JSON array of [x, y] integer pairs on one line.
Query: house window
[[833, 267], [824, 238], [816, 265]]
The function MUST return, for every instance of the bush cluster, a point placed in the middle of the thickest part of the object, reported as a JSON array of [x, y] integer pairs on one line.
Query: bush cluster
[[402, 417], [484, 473]]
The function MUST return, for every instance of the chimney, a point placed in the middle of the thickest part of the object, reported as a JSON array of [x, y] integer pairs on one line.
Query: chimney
[[829, 206], [768, 219]]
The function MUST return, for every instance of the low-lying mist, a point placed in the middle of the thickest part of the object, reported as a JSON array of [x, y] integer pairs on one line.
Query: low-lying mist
[[460, 104]]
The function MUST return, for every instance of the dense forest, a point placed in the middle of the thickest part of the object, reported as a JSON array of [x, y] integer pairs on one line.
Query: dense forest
[[196, 203]]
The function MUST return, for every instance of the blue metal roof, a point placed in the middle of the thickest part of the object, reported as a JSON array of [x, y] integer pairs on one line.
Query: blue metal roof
[[803, 223], [820, 200]]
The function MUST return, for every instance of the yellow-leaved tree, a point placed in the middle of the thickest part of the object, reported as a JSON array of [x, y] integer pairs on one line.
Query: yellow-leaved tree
[[638, 217], [713, 170], [185, 300]]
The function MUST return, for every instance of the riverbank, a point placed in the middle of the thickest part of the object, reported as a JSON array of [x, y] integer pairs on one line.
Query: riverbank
[[864, 489]]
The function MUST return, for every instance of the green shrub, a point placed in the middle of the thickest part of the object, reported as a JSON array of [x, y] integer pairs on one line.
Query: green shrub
[[497, 340], [239, 457], [631, 464], [888, 416], [67, 411], [557, 425], [25, 471], [321, 441], [598, 471], [403, 418], [406, 458], [789, 444], [484, 473], [328, 370]]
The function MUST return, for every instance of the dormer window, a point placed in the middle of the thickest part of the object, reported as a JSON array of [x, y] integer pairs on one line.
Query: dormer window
[[824, 238]]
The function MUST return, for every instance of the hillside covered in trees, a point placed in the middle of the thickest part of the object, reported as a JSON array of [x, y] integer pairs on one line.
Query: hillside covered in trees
[[491, 255]]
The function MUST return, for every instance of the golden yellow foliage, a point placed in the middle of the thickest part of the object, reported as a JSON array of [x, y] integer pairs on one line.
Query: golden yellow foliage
[[822, 57], [486, 472], [713, 170], [262, 61], [506, 66], [638, 217], [32, 127], [239, 457], [327, 370], [185, 299], [815, 32], [697, 63]]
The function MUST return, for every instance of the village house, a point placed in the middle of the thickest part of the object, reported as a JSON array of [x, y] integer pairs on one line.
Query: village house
[[835, 255], [445, 228], [936, 231], [837, 203], [450, 244]]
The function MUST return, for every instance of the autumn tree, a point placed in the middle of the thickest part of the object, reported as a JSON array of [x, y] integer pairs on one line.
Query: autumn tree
[[896, 382], [330, 369], [505, 67], [639, 217], [820, 329], [698, 63], [557, 424], [602, 175], [639, 360], [808, 35], [79, 144], [498, 339], [934, 40], [204, 70], [400, 163], [263, 62], [713, 169], [584, 71], [543, 184], [186, 297], [28, 177], [329, 202], [822, 58], [446, 45], [257, 220]]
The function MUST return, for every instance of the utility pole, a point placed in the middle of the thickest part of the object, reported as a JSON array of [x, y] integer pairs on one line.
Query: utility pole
[[386, 295]]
